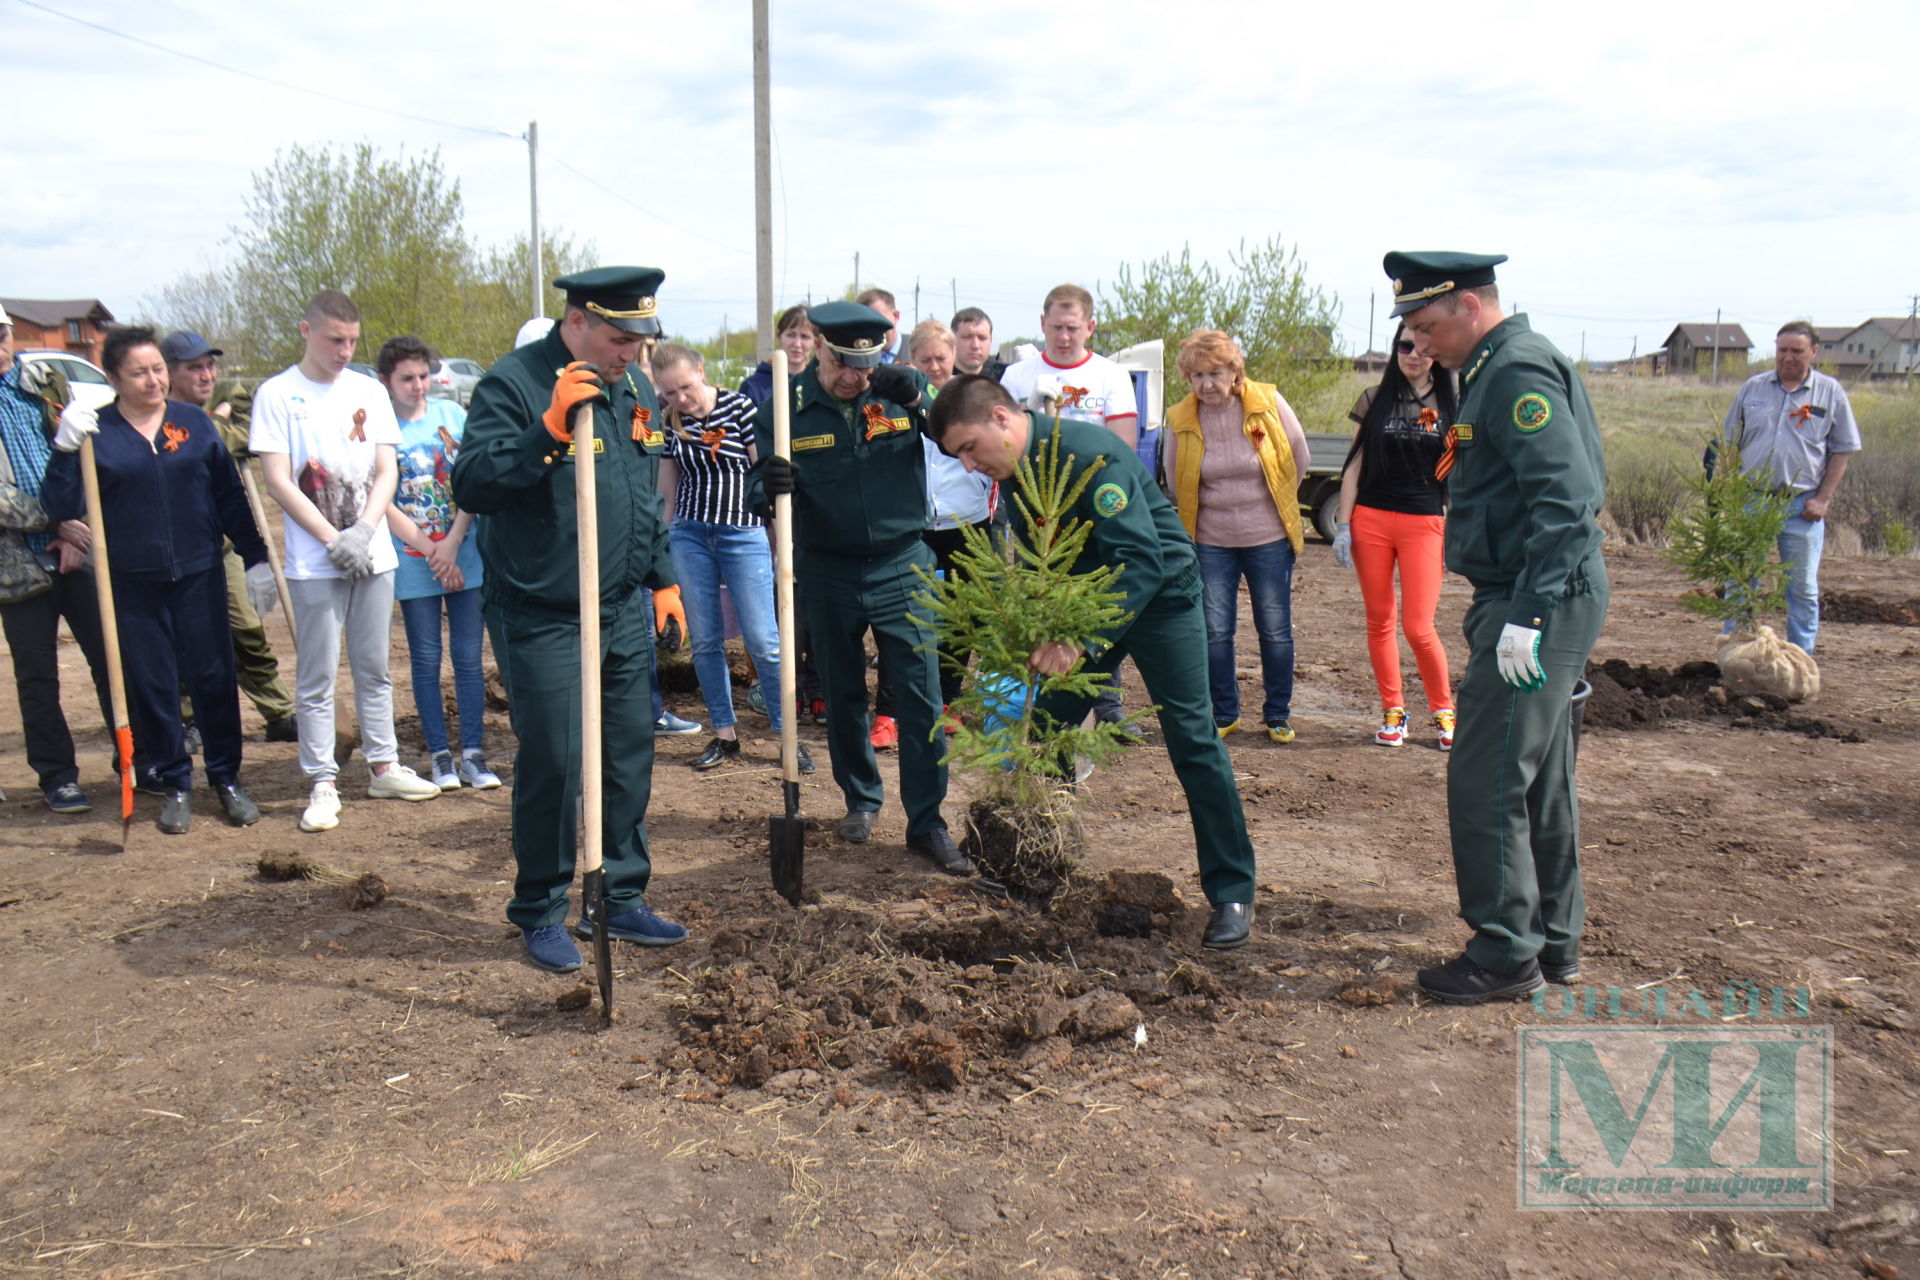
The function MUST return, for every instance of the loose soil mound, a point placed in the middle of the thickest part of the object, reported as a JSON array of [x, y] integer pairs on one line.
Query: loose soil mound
[[1628, 697], [1859, 606]]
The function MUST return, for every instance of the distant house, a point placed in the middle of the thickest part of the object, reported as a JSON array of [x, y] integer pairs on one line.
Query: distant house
[[1890, 345], [1371, 362], [1694, 349], [73, 324]]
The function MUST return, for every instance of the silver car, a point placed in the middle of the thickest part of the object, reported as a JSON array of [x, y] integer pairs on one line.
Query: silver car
[[454, 379]]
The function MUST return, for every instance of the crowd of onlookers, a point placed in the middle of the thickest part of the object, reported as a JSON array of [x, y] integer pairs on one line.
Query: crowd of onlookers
[[361, 469]]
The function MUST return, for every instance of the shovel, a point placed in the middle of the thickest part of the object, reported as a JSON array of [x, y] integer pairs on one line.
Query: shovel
[[593, 876], [786, 835], [110, 633]]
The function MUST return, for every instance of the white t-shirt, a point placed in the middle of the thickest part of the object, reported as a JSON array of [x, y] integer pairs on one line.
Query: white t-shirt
[[1095, 390], [329, 432]]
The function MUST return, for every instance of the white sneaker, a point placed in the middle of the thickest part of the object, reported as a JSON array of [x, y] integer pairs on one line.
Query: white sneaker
[[401, 783], [1393, 728], [442, 771], [323, 808], [474, 772]]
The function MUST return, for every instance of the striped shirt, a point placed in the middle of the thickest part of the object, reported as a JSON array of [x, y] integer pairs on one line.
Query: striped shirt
[[712, 453], [24, 437]]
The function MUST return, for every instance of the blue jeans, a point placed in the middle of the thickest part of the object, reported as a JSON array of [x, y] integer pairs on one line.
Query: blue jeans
[[421, 617], [704, 556], [1269, 573], [1801, 543]]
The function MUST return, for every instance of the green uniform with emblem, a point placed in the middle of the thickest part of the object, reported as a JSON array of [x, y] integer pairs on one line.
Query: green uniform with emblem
[[518, 480], [1136, 527], [860, 504], [1525, 484]]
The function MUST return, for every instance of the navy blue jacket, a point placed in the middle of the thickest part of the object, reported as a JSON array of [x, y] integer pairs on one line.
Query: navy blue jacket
[[168, 504], [758, 385]]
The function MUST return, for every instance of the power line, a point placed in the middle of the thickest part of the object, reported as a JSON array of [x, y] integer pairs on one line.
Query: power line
[[588, 178], [278, 84]]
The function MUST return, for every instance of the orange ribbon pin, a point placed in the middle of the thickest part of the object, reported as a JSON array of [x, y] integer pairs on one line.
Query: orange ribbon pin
[[1804, 413], [876, 421], [1429, 418], [175, 437], [359, 431]]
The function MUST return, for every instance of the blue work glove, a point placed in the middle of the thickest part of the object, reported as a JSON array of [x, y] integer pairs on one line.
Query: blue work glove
[[1343, 547], [1519, 654]]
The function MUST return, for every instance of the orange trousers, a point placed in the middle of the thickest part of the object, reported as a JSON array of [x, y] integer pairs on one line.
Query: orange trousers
[[1382, 539]]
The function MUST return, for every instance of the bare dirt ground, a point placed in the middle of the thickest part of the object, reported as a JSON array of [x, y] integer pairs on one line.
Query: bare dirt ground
[[209, 1073]]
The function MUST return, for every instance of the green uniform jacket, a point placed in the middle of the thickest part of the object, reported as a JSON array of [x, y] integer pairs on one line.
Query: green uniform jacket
[[233, 428], [519, 480], [1134, 524], [860, 489], [1528, 479]]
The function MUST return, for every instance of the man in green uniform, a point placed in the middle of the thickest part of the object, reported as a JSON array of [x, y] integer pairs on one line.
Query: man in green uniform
[[515, 471], [1525, 483], [858, 476], [1135, 527], [193, 370]]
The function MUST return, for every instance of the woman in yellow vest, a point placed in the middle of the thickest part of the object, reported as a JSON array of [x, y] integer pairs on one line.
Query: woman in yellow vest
[[1235, 453]]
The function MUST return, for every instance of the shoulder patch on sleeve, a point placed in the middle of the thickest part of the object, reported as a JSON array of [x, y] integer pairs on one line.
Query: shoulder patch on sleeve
[[1532, 412], [1109, 499]]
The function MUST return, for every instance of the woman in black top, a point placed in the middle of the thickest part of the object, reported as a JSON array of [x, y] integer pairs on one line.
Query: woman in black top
[[1392, 511], [716, 538]]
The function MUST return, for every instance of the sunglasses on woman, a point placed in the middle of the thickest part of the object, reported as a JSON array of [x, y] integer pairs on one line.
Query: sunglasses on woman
[[1404, 346]]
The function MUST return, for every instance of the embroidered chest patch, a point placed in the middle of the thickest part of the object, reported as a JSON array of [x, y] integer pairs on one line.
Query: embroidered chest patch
[[1531, 412], [1109, 499], [803, 443]]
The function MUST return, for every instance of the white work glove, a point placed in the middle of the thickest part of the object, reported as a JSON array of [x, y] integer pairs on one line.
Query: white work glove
[[1343, 548], [352, 551], [77, 422], [1046, 389], [1519, 654], [260, 588]]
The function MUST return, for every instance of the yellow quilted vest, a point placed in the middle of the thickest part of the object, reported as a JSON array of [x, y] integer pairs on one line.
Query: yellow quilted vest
[[1265, 433]]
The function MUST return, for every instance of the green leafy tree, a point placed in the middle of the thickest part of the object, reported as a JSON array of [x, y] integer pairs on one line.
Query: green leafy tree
[[496, 291], [386, 232], [1001, 606], [1724, 540], [1283, 322]]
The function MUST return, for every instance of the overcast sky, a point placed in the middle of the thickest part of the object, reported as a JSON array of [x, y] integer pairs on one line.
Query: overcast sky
[[1642, 163]]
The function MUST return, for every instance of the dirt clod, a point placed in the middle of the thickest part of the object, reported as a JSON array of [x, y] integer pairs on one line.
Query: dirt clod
[[285, 866], [368, 890], [1382, 989], [1125, 920], [930, 1054], [575, 998], [1101, 1013]]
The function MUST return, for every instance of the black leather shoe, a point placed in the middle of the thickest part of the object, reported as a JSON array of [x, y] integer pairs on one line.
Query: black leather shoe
[[856, 826], [152, 783], [176, 813], [1561, 974], [239, 807], [804, 760], [1230, 926], [946, 855], [718, 752], [283, 730], [1461, 981]]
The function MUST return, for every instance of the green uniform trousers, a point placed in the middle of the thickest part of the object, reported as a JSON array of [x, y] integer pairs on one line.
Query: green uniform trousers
[[842, 598], [539, 658], [1510, 791], [253, 659], [1168, 643]]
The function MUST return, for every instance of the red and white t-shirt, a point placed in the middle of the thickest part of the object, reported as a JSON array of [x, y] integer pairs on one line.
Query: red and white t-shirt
[[1095, 390]]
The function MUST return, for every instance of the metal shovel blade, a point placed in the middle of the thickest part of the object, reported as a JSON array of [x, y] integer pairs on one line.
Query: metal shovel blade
[[594, 889], [787, 847]]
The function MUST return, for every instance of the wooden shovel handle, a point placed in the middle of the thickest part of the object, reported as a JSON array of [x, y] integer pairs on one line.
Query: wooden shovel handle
[[783, 579], [586, 506]]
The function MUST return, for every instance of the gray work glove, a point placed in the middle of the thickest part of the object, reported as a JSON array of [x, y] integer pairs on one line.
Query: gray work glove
[[261, 591], [352, 551], [1343, 547]]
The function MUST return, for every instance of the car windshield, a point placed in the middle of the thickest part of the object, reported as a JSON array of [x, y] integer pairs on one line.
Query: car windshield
[[80, 371]]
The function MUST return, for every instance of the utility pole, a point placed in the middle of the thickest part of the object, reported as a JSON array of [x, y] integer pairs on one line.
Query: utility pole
[[1633, 361], [954, 284], [1913, 336], [916, 301], [533, 195], [726, 336], [856, 273], [1583, 348], [1370, 322], [762, 184], [1716, 347]]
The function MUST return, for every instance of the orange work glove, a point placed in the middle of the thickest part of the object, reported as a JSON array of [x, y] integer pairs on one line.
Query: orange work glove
[[578, 382], [669, 617]]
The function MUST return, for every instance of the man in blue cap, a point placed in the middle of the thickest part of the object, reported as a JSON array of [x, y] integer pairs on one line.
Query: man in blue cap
[[1525, 482], [515, 470], [193, 372], [858, 477]]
